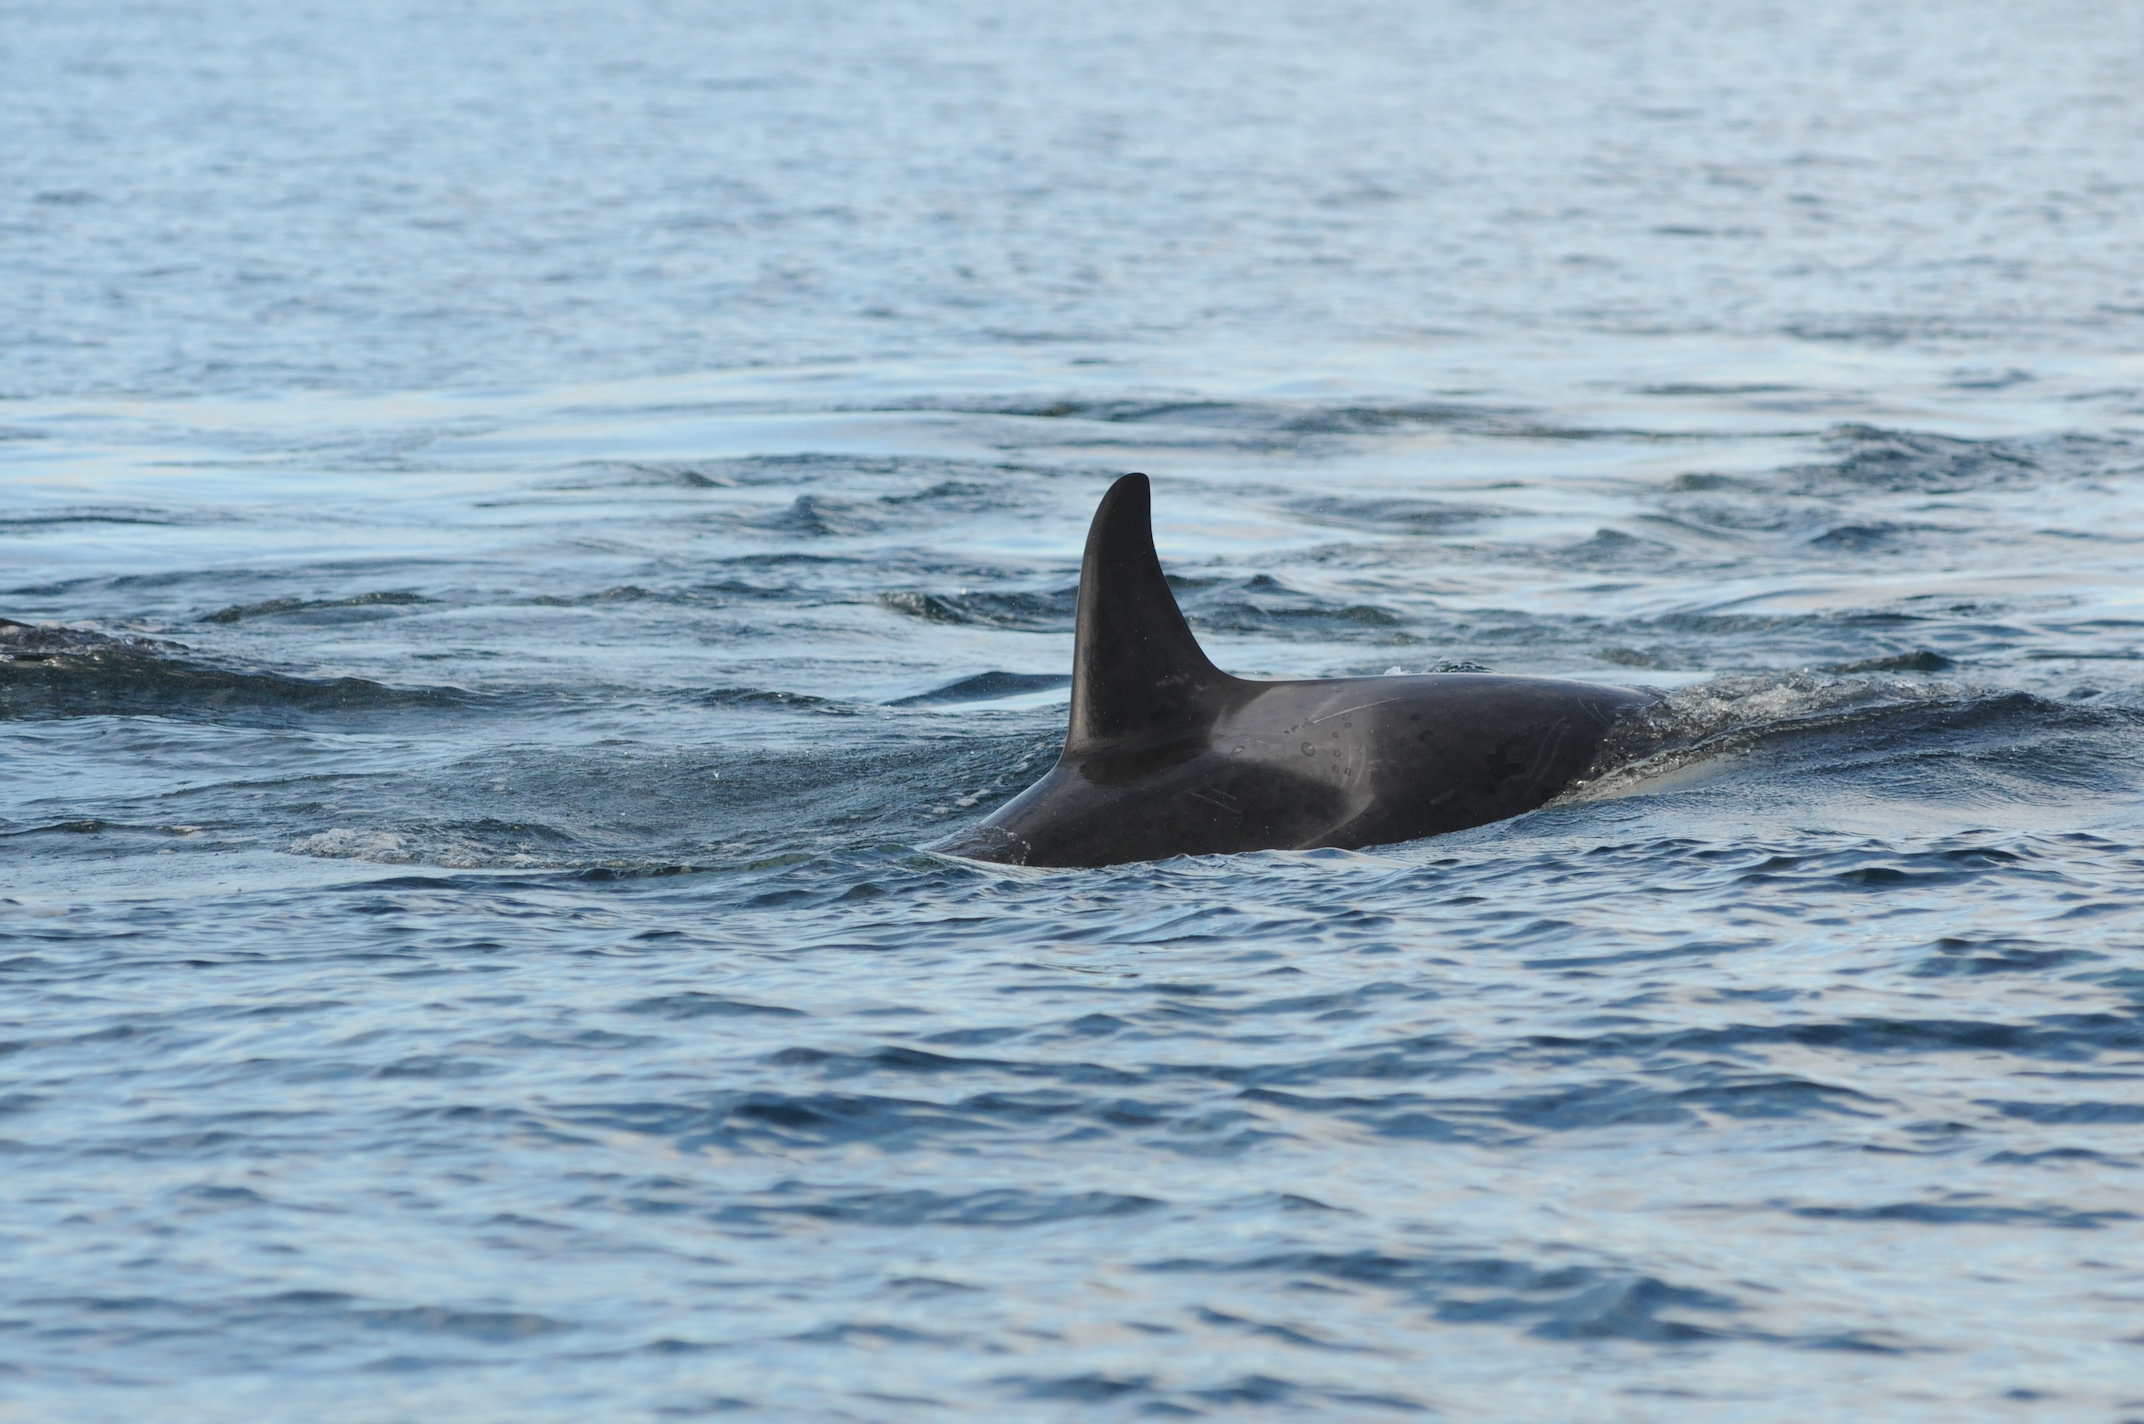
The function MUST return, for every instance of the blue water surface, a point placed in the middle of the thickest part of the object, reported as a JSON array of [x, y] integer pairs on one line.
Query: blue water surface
[[520, 520]]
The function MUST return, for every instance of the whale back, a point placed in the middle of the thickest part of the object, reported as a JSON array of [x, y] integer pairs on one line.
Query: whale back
[[1139, 678], [1168, 755]]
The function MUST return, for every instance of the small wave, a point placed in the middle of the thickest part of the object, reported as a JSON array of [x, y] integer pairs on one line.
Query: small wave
[[1053, 610], [999, 1207], [938, 481], [1970, 1213], [766, 697], [53, 672], [817, 515], [1862, 538], [823, 516], [986, 687], [718, 593], [1263, 604], [483, 845], [622, 474], [1612, 548], [380, 847], [621, 593], [239, 612], [1900, 461], [1714, 720], [1263, 418], [1919, 660], [1393, 516], [967, 494], [692, 1004], [36, 642], [1311, 620], [1565, 1302], [1156, 1398], [98, 515]]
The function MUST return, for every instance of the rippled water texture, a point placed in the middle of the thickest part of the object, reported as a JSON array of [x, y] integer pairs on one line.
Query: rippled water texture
[[518, 520]]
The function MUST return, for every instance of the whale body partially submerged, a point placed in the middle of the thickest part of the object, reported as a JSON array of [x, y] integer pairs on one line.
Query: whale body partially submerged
[[1168, 755]]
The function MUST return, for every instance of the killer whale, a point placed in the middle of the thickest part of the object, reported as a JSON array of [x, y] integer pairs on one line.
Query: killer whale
[[1167, 755]]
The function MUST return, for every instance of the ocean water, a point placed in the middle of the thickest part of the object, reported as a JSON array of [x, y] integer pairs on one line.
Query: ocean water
[[522, 519]]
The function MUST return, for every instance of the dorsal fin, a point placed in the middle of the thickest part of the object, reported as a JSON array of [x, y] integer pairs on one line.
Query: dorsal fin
[[1138, 676]]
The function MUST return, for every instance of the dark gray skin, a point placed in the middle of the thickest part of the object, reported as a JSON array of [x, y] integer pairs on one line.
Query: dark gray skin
[[1168, 755]]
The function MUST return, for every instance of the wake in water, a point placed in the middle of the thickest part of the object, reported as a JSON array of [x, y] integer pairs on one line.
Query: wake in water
[[906, 779], [52, 670], [1711, 728]]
